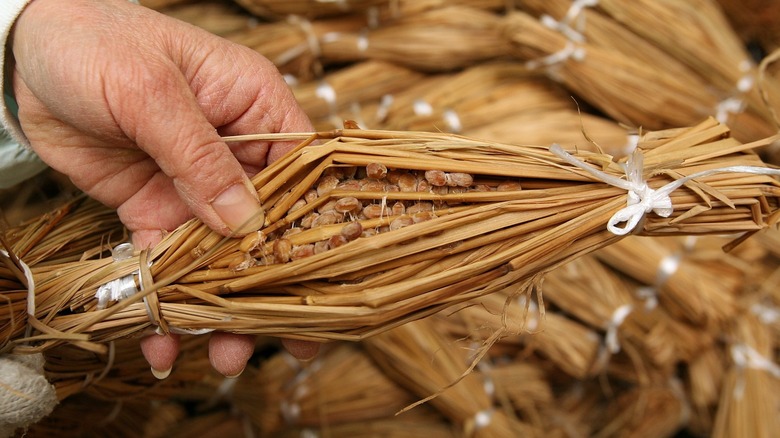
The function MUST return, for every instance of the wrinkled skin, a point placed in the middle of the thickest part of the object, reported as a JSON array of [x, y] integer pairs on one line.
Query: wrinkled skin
[[130, 104]]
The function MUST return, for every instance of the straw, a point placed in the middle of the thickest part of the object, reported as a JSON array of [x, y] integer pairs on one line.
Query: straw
[[216, 17], [629, 88], [750, 390], [342, 385], [438, 40], [329, 98], [472, 242], [459, 397]]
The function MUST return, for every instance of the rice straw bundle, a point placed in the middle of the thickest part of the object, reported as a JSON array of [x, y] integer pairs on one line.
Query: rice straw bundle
[[294, 45], [579, 406], [217, 17], [124, 374], [658, 411], [562, 126], [395, 9], [569, 345], [590, 292], [751, 390], [465, 100], [698, 34], [631, 91], [274, 9], [690, 291], [326, 100], [342, 385], [755, 21], [86, 416], [437, 40], [407, 426], [218, 423], [419, 358], [525, 386], [704, 378], [468, 240]]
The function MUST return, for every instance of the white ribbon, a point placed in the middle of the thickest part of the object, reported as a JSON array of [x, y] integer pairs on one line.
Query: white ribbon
[[641, 198]]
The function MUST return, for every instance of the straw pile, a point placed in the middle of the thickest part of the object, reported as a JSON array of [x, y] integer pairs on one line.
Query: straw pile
[[525, 316]]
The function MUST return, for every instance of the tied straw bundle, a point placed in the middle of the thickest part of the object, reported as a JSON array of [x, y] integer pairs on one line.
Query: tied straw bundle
[[375, 10], [372, 229]]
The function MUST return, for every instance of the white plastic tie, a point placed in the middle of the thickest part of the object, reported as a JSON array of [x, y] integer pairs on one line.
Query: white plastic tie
[[384, 107], [746, 357], [123, 287], [766, 314], [483, 418], [641, 198], [736, 104], [666, 268], [326, 92], [362, 42], [453, 121], [308, 30], [422, 108], [572, 25], [570, 50], [618, 317], [290, 411]]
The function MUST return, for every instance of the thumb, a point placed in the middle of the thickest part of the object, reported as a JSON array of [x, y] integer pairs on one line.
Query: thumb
[[159, 112]]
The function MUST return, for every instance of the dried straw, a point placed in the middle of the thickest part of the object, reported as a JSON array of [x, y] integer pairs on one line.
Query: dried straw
[[294, 45], [326, 101], [756, 21], [607, 72], [463, 101], [403, 352], [751, 388], [341, 386], [646, 411], [441, 39], [217, 17], [693, 291], [275, 9], [474, 243], [377, 11]]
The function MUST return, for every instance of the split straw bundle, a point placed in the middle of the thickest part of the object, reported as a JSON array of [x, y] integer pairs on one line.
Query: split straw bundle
[[372, 229]]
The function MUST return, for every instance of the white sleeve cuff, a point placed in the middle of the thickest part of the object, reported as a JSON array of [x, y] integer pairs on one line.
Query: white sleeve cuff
[[17, 163], [9, 11]]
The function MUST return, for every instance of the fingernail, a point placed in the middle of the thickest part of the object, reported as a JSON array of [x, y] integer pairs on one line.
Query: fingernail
[[239, 209], [235, 376], [161, 375]]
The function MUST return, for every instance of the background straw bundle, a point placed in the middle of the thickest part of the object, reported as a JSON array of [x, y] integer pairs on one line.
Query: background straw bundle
[[415, 65]]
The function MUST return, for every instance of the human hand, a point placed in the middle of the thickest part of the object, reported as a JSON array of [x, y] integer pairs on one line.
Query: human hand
[[125, 101]]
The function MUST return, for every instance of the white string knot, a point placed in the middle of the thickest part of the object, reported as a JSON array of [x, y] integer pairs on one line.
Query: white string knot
[[641, 198], [746, 357], [618, 317], [572, 25]]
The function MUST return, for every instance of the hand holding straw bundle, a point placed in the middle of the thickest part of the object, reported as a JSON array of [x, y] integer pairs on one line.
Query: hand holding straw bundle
[[371, 229]]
